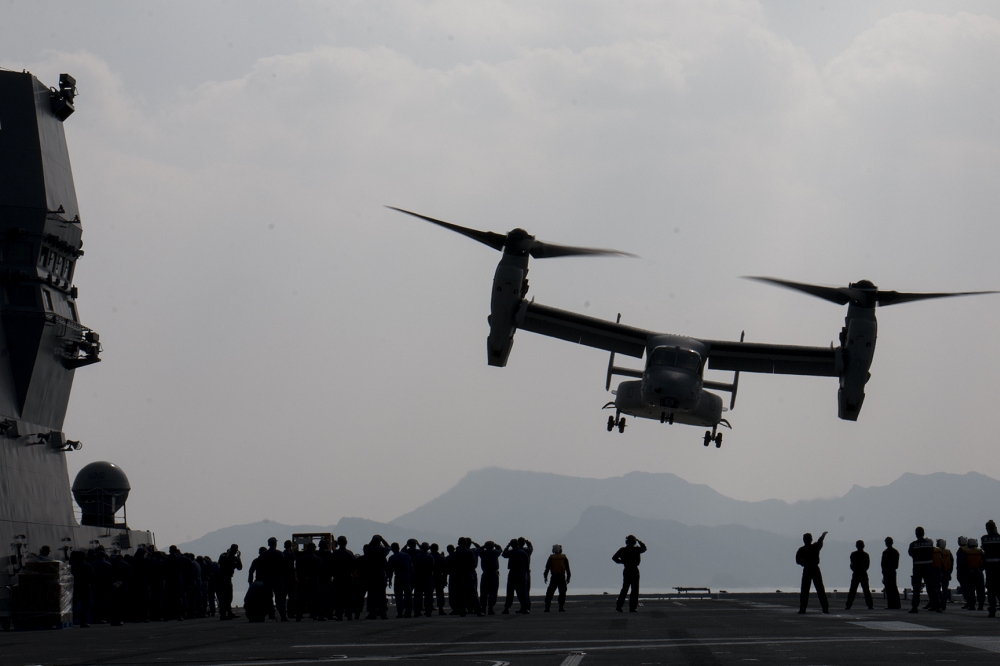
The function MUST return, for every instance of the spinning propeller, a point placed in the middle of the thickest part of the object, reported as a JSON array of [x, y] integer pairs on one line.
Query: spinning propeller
[[862, 294], [517, 241]]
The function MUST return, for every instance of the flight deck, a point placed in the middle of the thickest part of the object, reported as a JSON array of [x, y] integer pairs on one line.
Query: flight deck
[[735, 629]]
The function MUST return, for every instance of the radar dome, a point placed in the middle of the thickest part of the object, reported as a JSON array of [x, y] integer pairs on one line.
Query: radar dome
[[100, 489]]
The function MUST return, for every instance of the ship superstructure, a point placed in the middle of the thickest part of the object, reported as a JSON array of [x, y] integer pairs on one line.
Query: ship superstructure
[[42, 340]]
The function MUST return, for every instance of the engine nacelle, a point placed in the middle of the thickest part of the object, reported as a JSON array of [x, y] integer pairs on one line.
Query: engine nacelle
[[858, 344], [510, 284]]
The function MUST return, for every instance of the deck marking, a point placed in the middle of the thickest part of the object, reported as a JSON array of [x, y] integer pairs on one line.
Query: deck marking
[[894, 625], [990, 643], [573, 659]]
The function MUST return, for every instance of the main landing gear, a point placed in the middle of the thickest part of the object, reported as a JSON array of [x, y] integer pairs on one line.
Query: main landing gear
[[713, 436], [616, 421]]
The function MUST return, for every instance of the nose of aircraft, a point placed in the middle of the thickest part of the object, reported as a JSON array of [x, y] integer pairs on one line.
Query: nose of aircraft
[[667, 387]]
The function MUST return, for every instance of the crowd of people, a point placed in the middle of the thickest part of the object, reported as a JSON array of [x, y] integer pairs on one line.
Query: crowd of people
[[324, 580], [976, 568]]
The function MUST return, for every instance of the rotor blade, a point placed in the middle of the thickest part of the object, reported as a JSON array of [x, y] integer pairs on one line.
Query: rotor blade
[[838, 295], [894, 297], [494, 240], [540, 250]]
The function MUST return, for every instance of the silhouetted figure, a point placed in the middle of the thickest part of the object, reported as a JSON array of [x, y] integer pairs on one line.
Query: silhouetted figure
[[558, 566], [210, 574], [961, 568], [229, 563], [83, 580], [155, 560], [629, 557], [467, 561], [440, 576], [455, 592], [890, 563], [344, 572], [489, 584], [808, 558], [975, 575], [139, 587], [102, 585], [401, 570], [118, 594], [859, 576], [326, 558], [922, 552], [192, 587], [517, 576], [378, 550], [257, 602], [991, 562], [309, 567], [174, 569], [423, 577], [944, 562], [273, 578], [256, 566], [288, 580]]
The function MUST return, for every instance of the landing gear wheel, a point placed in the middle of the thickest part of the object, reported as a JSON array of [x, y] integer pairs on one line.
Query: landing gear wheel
[[718, 441], [708, 437], [621, 424], [611, 423]]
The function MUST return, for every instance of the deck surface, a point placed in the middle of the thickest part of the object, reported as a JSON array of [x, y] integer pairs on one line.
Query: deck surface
[[737, 629]]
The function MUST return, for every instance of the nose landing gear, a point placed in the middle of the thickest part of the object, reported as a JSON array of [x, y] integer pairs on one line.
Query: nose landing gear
[[616, 421], [713, 436]]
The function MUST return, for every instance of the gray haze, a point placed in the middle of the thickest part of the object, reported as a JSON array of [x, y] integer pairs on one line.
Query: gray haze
[[278, 345]]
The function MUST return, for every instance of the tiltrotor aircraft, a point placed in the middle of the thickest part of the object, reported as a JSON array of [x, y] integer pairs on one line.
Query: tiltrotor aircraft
[[671, 387]]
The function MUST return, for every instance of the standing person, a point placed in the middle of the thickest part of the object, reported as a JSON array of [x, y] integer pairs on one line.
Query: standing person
[[326, 601], [517, 575], [558, 565], [174, 569], [139, 587], [489, 584], [401, 569], [309, 568], [378, 549], [961, 569], [229, 563], [456, 596], [991, 562], [440, 576], [102, 585], [344, 571], [83, 579], [528, 549], [274, 562], [118, 596], [922, 552], [423, 577], [210, 573], [808, 558], [629, 557], [946, 565], [975, 575], [468, 562], [859, 576], [288, 557], [890, 563]]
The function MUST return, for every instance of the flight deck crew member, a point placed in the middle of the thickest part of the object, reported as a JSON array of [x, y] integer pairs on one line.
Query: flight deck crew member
[[121, 576], [489, 586], [808, 558], [468, 561], [945, 563], [991, 562], [961, 569], [378, 550], [288, 556], [558, 565], [440, 576], [629, 557], [922, 552], [859, 576], [517, 576], [975, 574], [229, 563], [401, 569], [423, 578], [890, 563], [344, 572], [274, 562]]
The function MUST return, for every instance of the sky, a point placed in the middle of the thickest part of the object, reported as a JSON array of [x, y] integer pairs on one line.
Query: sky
[[279, 345]]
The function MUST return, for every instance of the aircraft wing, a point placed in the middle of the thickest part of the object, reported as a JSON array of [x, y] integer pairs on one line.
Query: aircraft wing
[[578, 328], [773, 359]]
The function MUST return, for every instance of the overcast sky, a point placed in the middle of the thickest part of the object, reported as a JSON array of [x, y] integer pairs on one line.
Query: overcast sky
[[279, 345]]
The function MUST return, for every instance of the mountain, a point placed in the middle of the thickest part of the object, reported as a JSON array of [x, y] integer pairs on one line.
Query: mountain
[[505, 503]]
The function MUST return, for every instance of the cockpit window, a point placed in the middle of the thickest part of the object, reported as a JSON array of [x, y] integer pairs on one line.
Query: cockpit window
[[675, 357]]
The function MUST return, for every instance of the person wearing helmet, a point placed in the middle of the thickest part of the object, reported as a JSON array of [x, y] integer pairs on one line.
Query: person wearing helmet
[[558, 565], [991, 563], [859, 576], [945, 563], [807, 557], [890, 563], [962, 571], [629, 557], [922, 552], [975, 575], [489, 585]]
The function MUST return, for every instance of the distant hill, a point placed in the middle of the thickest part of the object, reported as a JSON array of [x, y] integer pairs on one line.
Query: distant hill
[[508, 503]]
